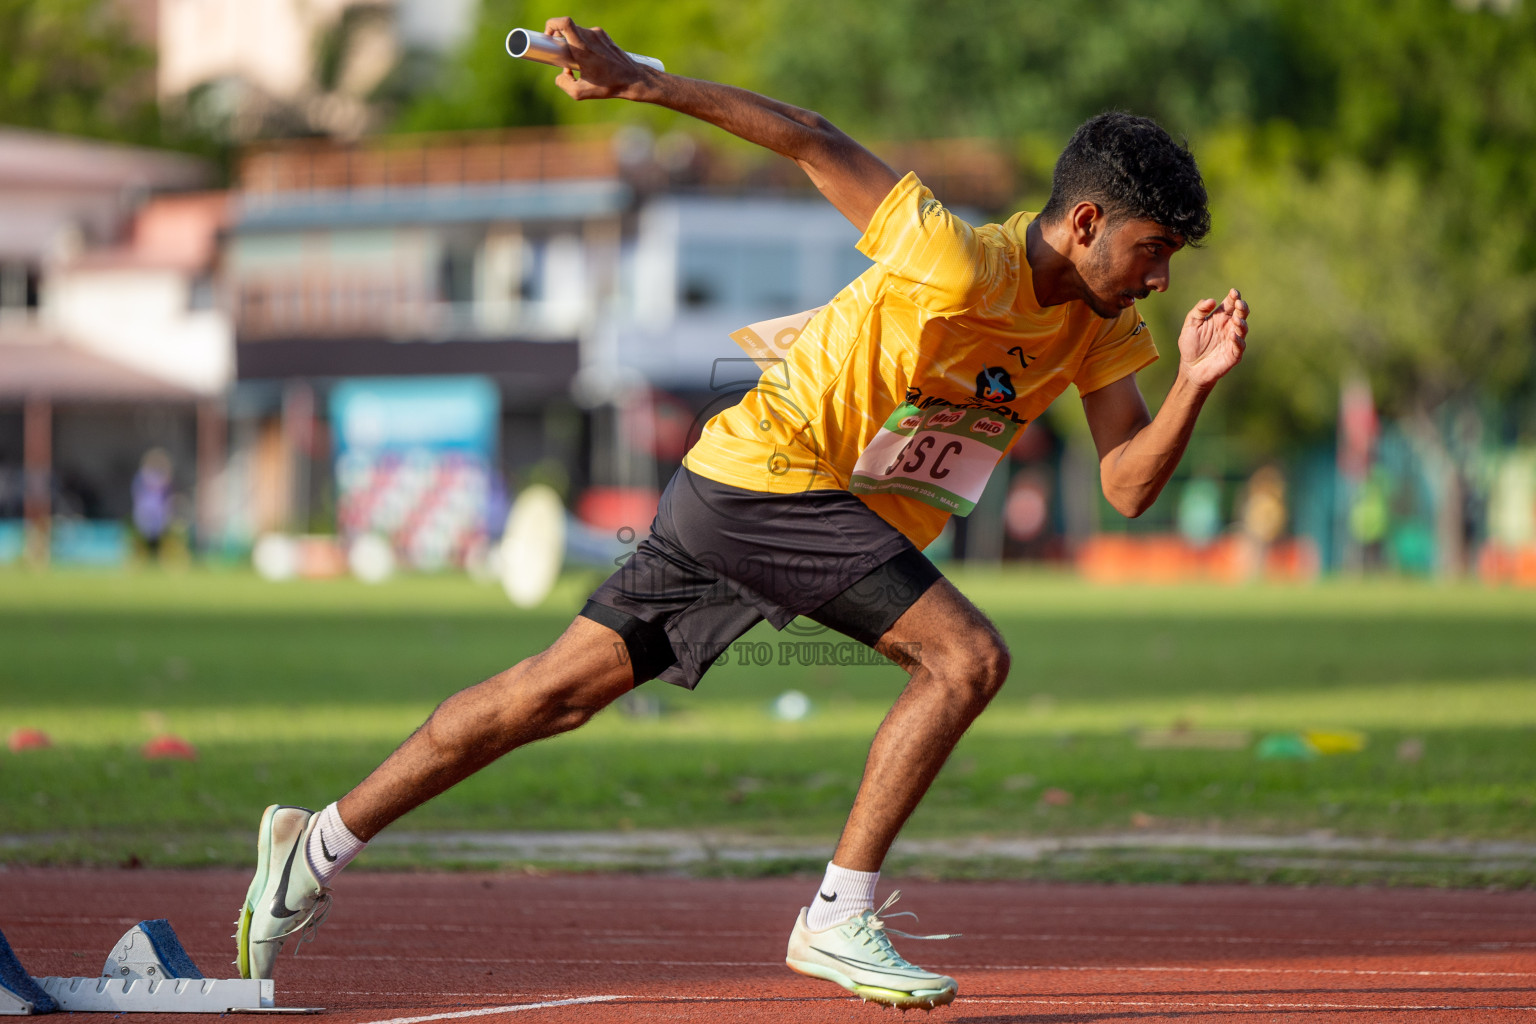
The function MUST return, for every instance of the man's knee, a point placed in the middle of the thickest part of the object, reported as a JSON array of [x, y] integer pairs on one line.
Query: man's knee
[[993, 663], [988, 656], [973, 661], [572, 693], [551, 692]]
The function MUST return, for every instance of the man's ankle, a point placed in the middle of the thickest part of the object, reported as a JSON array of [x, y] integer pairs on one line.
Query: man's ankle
[[842, 894]]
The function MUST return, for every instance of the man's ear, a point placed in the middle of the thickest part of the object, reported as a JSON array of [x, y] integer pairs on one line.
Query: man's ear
[[1085, 222]]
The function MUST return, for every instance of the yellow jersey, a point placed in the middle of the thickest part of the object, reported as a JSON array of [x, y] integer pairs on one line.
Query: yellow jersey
[[914, 381]]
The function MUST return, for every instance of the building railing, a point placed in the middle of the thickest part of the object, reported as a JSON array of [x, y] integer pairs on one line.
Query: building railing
[[345, 306], [472, 158], [974, 172]]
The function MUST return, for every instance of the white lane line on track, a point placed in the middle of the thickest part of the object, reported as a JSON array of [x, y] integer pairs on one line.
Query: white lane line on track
[[993, 1000], [491, 1010], [1089, 1001]]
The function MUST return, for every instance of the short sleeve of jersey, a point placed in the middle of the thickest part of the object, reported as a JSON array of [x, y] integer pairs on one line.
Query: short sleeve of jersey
[[1125, 348], [936, 259]]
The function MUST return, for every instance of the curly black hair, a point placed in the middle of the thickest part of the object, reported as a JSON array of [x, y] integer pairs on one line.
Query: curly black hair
[[1132, 168]]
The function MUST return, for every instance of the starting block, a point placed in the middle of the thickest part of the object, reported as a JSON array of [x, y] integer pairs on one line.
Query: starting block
[[148, 971]]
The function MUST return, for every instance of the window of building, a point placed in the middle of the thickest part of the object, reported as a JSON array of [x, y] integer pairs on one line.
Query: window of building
[[18, 286], [738, 276], [456, 272]]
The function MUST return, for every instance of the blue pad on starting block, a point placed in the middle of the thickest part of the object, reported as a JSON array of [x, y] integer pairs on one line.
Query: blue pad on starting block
[[18, 992], [178, 964]]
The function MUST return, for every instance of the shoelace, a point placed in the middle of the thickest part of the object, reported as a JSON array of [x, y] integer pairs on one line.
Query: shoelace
[[877, 934], [310, 923]]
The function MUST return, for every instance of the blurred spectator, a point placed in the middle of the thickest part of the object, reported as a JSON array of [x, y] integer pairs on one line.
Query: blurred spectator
[[1199, 511], [1369, 518], [1263, 516], [152, 500]]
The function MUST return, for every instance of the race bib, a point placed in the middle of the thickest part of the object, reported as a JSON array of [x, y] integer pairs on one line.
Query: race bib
[[769, 342], [942, 457]]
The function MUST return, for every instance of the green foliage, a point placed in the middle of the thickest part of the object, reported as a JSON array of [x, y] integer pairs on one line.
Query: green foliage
[[920, 68], [481, 87], [1357, 270], [71, 66]]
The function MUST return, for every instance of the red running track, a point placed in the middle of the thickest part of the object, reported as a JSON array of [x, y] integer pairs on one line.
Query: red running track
[[607, 949]]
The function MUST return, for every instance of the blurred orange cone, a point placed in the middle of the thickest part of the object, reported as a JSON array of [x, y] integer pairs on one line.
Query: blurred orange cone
[[28, 739], [169, 746]]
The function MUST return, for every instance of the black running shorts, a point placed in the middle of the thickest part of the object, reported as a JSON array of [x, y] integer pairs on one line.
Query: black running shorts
[[720, 559]]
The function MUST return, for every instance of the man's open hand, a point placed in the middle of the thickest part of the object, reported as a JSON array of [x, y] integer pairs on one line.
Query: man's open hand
[[600, 70], [1213, 339]]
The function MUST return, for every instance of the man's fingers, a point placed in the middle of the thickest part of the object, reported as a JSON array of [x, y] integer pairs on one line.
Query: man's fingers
[[570, 84]]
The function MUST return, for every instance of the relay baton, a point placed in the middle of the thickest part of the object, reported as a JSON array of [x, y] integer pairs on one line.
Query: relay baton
[[531, 45]]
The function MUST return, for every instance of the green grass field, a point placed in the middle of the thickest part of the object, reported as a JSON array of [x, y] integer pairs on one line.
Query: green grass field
[[293, 692]]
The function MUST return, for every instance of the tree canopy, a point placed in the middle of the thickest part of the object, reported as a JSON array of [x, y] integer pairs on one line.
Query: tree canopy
[[72, 66]]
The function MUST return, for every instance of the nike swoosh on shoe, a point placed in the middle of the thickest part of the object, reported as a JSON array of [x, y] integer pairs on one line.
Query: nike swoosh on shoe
[[863, 965], [279, 900]]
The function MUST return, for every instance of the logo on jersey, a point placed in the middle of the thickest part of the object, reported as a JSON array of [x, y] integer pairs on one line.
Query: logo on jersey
[[947, 417], [1024, 360], [994, 385], [928, 206]]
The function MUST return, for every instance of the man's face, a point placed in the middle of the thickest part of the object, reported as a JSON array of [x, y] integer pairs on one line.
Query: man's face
[[1126, 261]]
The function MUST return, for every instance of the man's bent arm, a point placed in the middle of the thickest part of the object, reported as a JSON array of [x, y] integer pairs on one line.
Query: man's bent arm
[[851, 177], [1137, 452], [1134, 471]]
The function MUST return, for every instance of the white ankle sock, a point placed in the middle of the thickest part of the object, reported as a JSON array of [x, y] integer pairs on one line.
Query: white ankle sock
[[842, 894], [331, 846]]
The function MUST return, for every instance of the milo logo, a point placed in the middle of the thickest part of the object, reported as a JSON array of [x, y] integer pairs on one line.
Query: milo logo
[[910, 422], [992, 428], [947, 417]]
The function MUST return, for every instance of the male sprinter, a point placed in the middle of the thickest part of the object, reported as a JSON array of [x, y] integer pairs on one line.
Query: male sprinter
[[814, 494]]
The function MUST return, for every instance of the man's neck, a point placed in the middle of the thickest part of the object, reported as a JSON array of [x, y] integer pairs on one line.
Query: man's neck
[[1053, 275]]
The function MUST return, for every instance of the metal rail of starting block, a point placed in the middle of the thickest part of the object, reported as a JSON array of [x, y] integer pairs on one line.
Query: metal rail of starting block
[[148, 971]]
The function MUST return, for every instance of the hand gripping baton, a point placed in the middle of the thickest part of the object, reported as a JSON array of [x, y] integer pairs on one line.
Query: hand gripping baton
[[530, 45]]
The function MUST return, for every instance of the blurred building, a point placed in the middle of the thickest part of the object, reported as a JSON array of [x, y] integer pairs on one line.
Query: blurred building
[[109, 342], [591, 276]]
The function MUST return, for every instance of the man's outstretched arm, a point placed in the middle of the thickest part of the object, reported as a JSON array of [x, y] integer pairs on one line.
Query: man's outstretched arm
[[1138, 452], [851, 177]]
